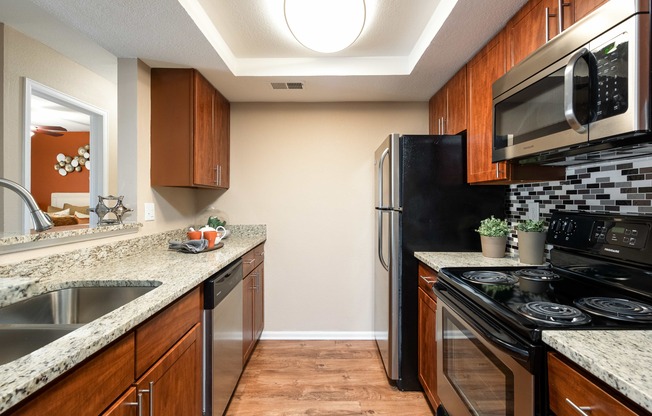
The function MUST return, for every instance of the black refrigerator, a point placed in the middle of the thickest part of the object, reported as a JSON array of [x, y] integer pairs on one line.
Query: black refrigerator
[[422, 203]]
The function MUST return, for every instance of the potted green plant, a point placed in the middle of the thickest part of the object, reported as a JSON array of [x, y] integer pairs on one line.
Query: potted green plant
[[531, 241], [493, 236]]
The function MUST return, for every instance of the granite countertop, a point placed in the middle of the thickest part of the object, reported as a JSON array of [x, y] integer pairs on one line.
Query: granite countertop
[[438, 260], [622, 359], [150, 263], [626, 371]]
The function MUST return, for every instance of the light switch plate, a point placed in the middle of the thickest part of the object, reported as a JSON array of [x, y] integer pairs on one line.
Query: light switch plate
[[149, 211]]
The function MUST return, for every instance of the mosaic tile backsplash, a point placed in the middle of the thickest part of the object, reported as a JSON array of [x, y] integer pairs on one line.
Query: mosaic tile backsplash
[[619, 186]]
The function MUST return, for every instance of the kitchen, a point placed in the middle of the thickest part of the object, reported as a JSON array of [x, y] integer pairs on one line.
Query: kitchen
[[266, 155]]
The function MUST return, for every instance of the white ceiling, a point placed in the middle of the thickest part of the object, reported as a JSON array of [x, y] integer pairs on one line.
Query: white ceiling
[[407, 50]]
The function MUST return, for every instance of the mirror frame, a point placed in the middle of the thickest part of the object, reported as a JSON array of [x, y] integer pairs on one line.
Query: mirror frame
[[99, 178]]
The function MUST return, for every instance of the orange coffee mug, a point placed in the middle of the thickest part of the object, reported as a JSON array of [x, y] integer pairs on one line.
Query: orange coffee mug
[[210, 236], [194, 235]]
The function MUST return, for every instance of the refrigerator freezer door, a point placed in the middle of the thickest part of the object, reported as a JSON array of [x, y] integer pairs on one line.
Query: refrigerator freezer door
[[386, 293]]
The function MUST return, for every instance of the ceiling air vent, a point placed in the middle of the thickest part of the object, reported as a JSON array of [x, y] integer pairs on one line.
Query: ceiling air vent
[[287, 85]]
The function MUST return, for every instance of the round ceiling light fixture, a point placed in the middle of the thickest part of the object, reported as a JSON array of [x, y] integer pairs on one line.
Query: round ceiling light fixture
[[325, 26]]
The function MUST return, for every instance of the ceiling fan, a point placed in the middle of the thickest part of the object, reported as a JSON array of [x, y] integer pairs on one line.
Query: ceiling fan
[[54, 131]]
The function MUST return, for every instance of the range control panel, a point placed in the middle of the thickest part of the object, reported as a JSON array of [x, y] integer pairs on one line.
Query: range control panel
[[620, 236]]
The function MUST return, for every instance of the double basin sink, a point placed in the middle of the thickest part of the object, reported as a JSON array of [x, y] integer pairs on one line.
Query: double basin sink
[[35, 322]]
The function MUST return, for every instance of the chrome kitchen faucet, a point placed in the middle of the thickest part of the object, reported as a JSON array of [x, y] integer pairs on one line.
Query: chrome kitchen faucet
[[41, 220]]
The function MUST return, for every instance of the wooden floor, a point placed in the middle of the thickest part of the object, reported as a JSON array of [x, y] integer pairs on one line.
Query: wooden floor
[[320, 378]]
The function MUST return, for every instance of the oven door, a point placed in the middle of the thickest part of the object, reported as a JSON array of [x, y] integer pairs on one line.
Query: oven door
[[480, 369]]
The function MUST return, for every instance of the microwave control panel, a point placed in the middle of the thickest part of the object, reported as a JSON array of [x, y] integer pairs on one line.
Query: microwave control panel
[[611, 78]]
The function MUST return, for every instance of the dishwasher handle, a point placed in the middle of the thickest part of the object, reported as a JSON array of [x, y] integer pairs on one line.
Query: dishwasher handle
[[218, 286]]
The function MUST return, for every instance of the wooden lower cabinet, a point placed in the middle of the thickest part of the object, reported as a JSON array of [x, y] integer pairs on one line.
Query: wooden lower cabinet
[[164, 351], [89, 389], [253, 300], [172, 386], [427, 334], [568, 385]]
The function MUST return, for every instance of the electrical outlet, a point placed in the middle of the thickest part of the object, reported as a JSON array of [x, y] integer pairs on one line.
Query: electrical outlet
[[149, 211], [533, 211]]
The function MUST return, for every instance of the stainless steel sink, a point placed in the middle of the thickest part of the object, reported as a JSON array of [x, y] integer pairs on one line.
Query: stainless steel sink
[[77, 305], [35, 322], [19, 340]]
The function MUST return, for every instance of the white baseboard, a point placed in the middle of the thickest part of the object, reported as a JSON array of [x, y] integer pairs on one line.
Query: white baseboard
[[317, 335]]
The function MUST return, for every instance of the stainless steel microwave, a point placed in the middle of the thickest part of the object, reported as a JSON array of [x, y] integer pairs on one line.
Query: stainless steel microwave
[[587, 89]]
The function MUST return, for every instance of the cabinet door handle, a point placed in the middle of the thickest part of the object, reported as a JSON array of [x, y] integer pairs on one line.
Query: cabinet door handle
[[429, 280], [547, 17], [560, 13], [497, 170], [138, 404], [582, 410], [249, 261], [151, 397]]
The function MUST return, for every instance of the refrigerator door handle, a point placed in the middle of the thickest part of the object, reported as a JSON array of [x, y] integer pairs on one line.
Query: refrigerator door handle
[[380, 184], [379, 244]]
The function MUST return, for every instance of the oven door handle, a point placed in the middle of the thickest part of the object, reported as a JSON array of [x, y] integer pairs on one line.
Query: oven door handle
[[514, 350], [522, 354]]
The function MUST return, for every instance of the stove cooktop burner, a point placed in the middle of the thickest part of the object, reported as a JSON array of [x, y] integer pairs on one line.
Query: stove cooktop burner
[[615, 308], [554, 313], [537, 274], [489, 277]]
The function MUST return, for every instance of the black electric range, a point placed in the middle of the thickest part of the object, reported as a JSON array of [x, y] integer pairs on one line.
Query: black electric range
[[599, 277]]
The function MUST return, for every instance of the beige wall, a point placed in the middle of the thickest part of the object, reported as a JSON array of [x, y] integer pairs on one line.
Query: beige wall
[[26, 58], [306, 170]]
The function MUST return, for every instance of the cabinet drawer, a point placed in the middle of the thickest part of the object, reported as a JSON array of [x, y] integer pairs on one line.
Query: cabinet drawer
[[427, 279], [91, 388], [161, 332], [259, 254], [567, 385], [248, 263]]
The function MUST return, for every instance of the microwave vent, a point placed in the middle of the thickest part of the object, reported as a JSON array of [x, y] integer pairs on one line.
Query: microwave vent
[[287, 85]]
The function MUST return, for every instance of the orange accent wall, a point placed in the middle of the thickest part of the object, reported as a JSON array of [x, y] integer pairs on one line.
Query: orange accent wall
[[45, 179]]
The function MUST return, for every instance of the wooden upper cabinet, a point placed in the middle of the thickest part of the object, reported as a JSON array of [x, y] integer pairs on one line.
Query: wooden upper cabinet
[[223, 132], [539, 21], [190, 131], [583, 7], [437, 111], [205, 142], [482, 70], [448, 106], [456, 120], [527, 30]]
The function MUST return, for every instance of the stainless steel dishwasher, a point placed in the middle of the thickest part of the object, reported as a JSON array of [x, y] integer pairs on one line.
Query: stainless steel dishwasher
[[222, 336]]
